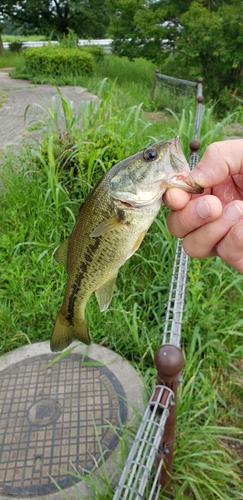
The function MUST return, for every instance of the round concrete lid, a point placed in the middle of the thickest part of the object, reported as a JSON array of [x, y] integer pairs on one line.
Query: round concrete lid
[[58, 418]]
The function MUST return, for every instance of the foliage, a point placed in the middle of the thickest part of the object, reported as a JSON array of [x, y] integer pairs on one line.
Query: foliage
[[11, 59], [87, 151], [16, 46], [74, 156], [186, 39], [186, 119], [218, 56], [53, 61], [71, 40], [146, 29], [96, 51], [68, 40], [88, 18], [134, 28]]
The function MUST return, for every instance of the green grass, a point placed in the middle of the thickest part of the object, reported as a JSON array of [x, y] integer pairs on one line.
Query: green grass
[[40, 199], [30, 38], [11, 59]]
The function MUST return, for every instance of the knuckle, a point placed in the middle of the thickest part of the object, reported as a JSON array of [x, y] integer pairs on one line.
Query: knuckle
[[236, 234]]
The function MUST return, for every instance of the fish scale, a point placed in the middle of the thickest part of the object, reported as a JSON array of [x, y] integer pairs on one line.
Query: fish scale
[[110, 227]]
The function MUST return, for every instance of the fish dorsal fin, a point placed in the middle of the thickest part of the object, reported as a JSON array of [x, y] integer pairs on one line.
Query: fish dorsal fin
[[107, 225], [104, 293], [61, 253]]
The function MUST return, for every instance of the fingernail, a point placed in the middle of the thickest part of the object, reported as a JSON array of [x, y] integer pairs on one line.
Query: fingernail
[[197, 175], [233, 212], [203, 209]]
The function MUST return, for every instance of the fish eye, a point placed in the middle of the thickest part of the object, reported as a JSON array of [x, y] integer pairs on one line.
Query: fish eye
[[150, 154]]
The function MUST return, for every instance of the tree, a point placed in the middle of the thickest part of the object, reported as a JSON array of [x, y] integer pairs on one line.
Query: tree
[[88, 18], [185, 38], [213, 43], [139, 27], [1, 41]]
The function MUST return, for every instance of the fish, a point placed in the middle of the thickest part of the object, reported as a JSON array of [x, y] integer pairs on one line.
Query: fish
[[110, 227]]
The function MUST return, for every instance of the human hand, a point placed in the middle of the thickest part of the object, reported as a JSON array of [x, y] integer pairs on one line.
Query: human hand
[[212, 223]]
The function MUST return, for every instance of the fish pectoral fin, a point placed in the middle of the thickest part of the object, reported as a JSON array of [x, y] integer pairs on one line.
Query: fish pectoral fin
[[107, 225], [104, 293], [136, 245], [61, 253]]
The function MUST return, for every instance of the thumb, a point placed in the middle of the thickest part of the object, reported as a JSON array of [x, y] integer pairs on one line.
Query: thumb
[[219, 160]]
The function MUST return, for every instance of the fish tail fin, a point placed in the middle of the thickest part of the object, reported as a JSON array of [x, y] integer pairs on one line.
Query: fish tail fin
[[64, 333]]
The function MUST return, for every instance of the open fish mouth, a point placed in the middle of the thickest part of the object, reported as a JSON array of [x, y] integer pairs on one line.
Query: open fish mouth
[[141, 202], [141, 194]]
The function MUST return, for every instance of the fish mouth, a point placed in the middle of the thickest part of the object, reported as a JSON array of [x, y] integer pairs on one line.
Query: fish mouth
[[126, 204], [142, 196], [142, 202], [186, 183]]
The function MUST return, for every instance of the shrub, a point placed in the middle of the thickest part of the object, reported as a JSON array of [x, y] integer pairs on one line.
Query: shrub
[[55, 61], [96, 51], [16, 46], [70, 40]]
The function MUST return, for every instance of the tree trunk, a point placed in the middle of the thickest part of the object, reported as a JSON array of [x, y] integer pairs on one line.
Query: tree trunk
[[1, 45]]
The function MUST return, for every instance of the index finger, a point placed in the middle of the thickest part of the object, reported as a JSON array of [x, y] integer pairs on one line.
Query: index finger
[[176, 199]]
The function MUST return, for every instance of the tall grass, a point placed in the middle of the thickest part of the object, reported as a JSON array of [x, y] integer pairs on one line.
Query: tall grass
[[11, 59], [38, 210], [212, 130]]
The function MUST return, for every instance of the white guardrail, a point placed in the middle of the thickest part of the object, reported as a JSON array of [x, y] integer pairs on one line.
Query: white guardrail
[[105, 43]]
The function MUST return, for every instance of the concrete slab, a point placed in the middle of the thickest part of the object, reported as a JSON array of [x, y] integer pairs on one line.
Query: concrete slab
[[18, 94]]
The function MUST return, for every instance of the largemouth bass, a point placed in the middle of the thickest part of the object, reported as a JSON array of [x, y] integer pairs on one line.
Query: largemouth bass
[[110, 227]]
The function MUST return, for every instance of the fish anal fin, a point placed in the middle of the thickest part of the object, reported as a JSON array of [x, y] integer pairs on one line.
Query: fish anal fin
[[61, 253], [104, 293], [107, 225], [64, 333]]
